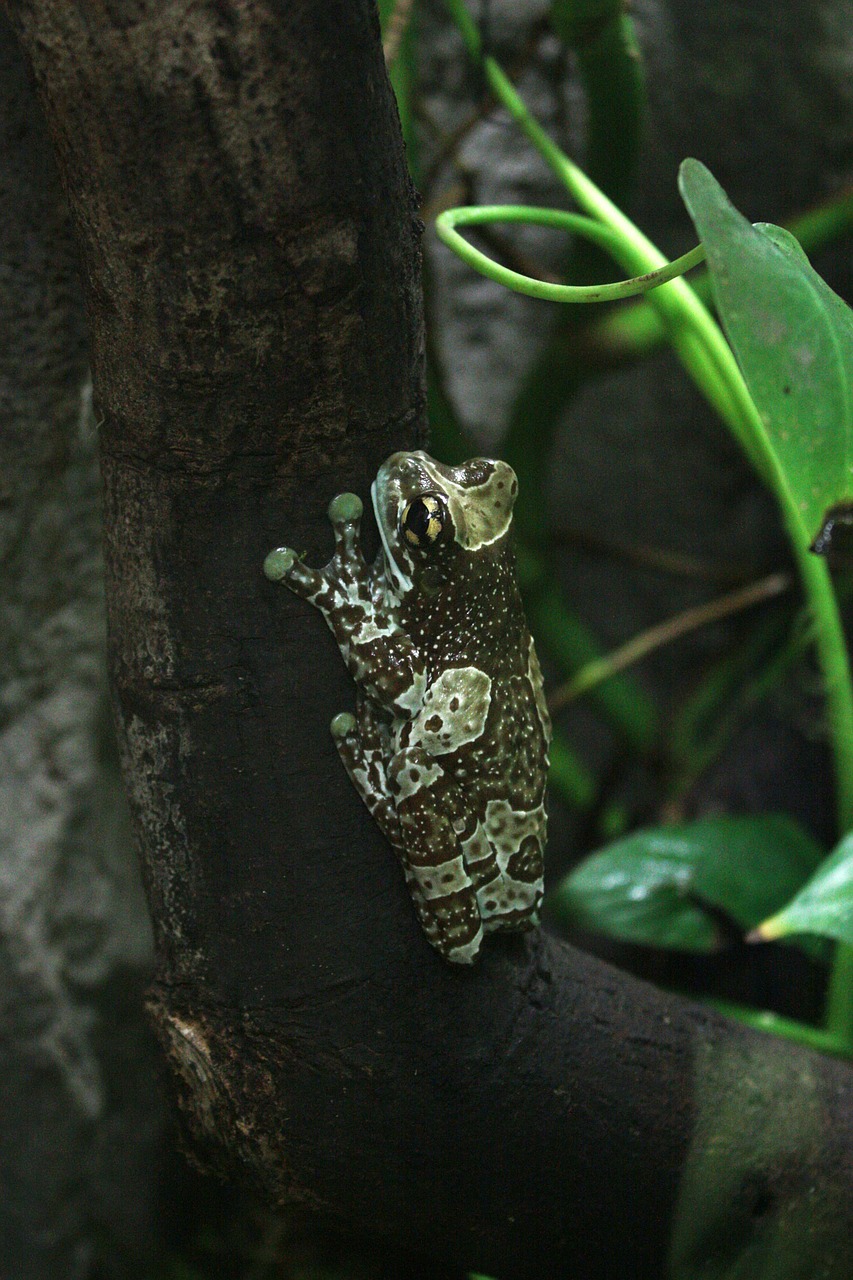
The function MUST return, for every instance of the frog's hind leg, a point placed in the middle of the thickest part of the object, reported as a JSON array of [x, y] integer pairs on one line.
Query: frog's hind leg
[[430, 811], [511, 900], [363, 744]]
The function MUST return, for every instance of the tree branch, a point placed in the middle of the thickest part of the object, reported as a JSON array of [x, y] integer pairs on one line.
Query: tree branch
[[251, 252]]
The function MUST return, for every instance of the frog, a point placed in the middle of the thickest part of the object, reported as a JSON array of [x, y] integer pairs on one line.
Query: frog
[[448, 746]]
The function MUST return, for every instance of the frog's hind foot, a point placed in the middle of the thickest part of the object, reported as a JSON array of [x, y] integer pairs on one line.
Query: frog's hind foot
[[426, 799], [363, 762]]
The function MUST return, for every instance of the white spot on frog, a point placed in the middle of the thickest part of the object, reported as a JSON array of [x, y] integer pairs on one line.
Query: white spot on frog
[[414, 776], [448, 877], [454, 710], [506, 828]]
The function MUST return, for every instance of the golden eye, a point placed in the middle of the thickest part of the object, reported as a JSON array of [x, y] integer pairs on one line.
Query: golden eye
[[424, 520]]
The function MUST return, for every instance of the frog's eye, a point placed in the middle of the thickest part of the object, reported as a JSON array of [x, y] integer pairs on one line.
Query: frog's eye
[[424, 520]]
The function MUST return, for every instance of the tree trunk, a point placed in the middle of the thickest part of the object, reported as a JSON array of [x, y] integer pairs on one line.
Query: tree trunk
[[251, 255]]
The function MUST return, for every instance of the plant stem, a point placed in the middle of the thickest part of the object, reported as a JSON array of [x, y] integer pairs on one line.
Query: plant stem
[[839, 1000], [800, 1032], [834, 660], [610, 70], [478, 215], [832, 653], [639, 646]]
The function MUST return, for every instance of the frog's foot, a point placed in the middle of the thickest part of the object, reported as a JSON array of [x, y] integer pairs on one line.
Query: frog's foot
[[426, 799], [348, 578], [363, 757], [284, 565], [345, 512], [344, 580]]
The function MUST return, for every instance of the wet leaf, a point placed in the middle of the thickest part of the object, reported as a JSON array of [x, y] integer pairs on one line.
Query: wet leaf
[[824, 906], [664, 886], [793, 338]]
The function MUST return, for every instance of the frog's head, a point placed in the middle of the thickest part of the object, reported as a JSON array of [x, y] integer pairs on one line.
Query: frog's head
[[428, 514]]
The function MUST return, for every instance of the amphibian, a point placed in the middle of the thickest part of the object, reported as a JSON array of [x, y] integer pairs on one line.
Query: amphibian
[[449, 744]]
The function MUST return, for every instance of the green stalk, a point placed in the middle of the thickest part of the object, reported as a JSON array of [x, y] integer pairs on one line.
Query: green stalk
[[478, 215], [839, 1000], [709, 358], [774, 1023], [611, 73], [835, 664], [600, 34], [834, 660]]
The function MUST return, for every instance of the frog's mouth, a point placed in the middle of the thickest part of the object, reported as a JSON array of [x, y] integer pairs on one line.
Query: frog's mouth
[[399, 581]]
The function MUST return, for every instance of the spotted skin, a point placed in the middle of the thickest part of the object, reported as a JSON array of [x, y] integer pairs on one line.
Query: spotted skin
[[449, 744]]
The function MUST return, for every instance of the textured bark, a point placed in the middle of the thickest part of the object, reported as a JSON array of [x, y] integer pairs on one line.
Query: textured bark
[[251, 254]]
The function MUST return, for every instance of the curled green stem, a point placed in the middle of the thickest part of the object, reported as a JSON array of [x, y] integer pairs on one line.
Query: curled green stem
[[478, 215]]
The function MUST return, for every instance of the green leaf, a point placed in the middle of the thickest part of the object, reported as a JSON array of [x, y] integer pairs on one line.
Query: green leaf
[[823, 906], [793, 338], [652, 886]]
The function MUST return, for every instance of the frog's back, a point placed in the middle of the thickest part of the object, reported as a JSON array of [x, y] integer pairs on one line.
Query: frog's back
[[484, 714]]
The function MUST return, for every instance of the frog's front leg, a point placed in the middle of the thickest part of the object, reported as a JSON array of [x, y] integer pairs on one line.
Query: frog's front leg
[[363, 743], [430, 810], [379, 655]]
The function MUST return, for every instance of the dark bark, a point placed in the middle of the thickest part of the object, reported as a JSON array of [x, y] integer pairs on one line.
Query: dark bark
[[251, 252]]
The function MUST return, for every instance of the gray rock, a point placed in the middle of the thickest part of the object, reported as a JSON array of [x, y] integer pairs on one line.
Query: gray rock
[[80, 1112]]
